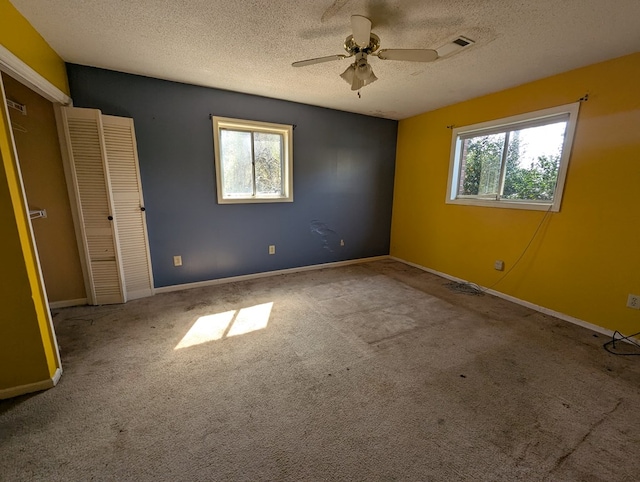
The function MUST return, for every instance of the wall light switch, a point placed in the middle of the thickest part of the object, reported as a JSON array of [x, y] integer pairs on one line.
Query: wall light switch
[[498, 264], [272, 249], [177, 260]]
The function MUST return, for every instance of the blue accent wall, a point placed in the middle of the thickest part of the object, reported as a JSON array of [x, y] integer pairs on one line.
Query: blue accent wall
[[343, 168]]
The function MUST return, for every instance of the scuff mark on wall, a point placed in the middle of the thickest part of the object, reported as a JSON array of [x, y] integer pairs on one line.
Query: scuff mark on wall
[[330, 239]]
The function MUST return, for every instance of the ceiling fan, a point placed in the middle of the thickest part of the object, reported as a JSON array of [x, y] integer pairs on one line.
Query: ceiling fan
[[363, 43]]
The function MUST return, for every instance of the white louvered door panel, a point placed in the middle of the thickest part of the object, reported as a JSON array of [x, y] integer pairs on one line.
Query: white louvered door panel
[[83, 133], [126, 188]]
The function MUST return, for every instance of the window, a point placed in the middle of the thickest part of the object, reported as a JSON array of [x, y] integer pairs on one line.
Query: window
[[254, 161], [517, 162]]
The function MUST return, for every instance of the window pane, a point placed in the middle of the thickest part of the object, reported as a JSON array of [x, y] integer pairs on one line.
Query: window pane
[[533, 160], [235, 154], [267, 150], [480, 165]]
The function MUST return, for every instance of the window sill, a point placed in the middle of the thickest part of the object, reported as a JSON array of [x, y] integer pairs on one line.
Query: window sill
[[506, 204], [253, 200]]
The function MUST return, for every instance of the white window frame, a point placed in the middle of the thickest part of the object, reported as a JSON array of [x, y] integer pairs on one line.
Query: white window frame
[[530, 119], [285, 130]]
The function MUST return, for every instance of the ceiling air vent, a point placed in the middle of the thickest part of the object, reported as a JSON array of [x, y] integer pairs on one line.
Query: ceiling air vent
[[454, 46], [462, 42]]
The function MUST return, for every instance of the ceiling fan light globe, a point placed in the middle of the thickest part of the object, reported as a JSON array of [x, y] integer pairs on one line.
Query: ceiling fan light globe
[[357, 83], [364, 71], [349, 74]]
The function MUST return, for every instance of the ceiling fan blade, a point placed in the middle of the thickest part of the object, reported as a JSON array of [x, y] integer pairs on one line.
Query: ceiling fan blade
[[410, 55], [361, 27], [319, 60]]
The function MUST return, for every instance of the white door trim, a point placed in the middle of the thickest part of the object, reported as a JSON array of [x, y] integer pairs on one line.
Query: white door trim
[[16, 68]]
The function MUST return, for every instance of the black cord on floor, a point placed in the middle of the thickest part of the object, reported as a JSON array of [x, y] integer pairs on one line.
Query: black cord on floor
[[466, 288], [611, 344]]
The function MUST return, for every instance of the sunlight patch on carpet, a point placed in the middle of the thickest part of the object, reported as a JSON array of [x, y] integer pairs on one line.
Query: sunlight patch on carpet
[[251, 319], [230, 323]]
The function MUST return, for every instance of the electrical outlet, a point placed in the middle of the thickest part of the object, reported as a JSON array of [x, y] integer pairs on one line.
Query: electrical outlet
[[498, 265], [633, 302], [342, 242], [177, 260], [272, 249]]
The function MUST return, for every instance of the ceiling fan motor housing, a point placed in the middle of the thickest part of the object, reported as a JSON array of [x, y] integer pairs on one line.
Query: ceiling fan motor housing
[[361, 59], [352, 47]]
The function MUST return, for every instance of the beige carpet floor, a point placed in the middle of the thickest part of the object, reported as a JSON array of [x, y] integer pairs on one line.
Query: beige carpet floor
[[376, 371]]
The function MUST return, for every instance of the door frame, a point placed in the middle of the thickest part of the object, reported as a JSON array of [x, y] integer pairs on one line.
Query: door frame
[[12, 65], [19, 70]]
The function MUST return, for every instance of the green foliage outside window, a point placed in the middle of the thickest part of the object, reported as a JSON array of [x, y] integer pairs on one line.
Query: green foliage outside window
[[252, 163], [481, 169]]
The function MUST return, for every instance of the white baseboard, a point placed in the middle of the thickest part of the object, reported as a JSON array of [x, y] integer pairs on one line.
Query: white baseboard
[[56, 376], [513, 299], [31, 387], [54, 305], [266, 274]]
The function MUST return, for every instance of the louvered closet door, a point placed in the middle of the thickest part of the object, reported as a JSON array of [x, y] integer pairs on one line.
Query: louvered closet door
[[83, 130], [126, 188]]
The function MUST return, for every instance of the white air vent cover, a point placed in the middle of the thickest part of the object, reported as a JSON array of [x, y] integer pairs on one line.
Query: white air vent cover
[[19, 107], [454, 46]]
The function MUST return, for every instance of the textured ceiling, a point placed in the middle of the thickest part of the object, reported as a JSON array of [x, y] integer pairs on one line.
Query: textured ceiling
[[248, 46]]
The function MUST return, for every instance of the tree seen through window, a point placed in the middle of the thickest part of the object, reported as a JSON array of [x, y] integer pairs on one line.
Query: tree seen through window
[[530, 170], [252, 163]]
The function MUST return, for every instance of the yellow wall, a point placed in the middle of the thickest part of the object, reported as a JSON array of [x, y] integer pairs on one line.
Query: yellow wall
[[584, 261], [18, 36], [45, 187], [27, 346]]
